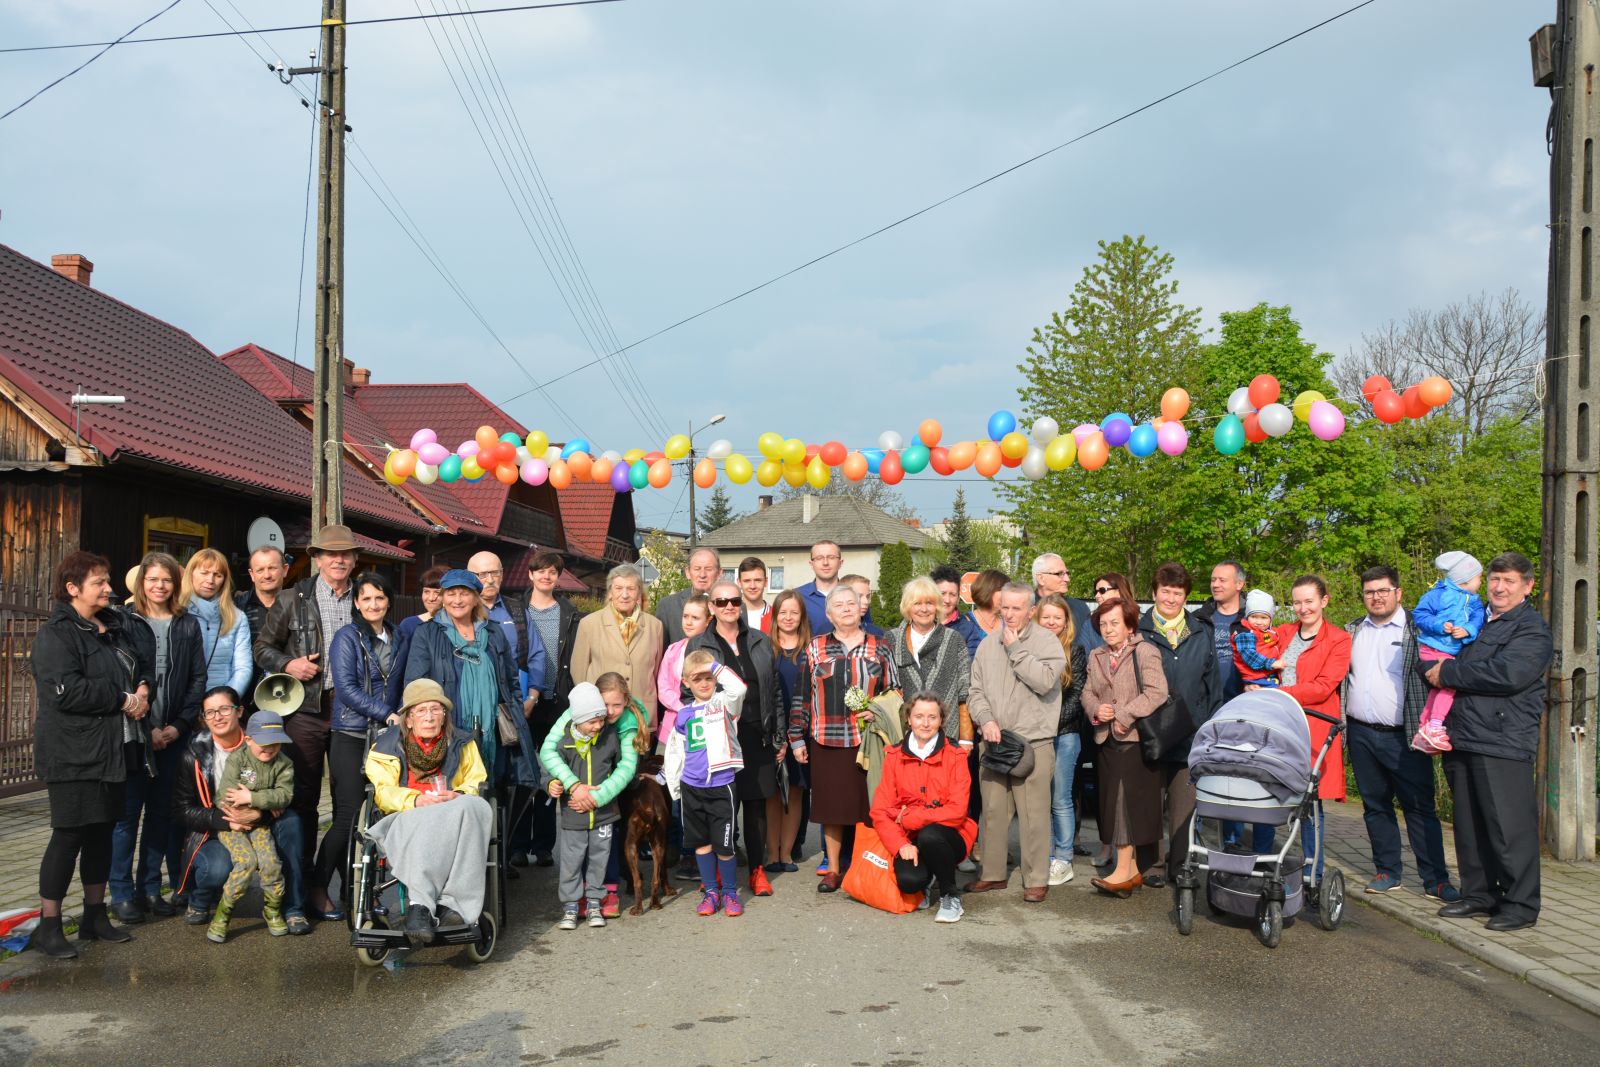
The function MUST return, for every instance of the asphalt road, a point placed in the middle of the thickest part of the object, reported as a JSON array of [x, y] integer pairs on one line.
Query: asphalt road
[[800, 978]]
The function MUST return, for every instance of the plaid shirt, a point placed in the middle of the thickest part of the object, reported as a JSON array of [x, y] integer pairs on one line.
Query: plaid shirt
[[817, 711], [334, 611], [1415, 689]]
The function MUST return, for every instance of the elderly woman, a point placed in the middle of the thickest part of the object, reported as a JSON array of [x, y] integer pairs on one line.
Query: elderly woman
[[1125, 682], [427, 778], [621, 637], [762, 718], [1055, 615], [825, 732], [930, 657], [472, 661], [920, 809], [91, 680]]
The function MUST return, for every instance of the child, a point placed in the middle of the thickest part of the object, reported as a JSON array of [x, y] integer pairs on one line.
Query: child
[[1448, 616], [257, 775], [1257, 652], [703, 757], [586, 753]]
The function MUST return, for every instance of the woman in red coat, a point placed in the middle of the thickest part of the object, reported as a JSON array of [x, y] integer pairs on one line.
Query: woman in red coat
[[1316, 658], [920, 809]]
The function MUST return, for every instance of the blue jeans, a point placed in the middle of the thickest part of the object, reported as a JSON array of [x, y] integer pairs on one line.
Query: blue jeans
[[212, 864], [1063, 814], [1307, 843], [1261, 835], [160, 842], [1388, 769]]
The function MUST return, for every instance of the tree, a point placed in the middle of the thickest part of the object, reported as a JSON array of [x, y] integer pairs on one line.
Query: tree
[[960, 548], [895, 566], [669, 558], [971, 545], [718, 513], [869, 489]]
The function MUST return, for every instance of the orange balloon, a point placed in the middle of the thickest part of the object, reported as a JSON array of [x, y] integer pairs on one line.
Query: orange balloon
[[600, 471], [962, 454], [580, 463], [560, 475], [506, 474], [1092, 453], [661, 473], [930, 431], [486, 437], [855, 466], [705, 473], [989, 459], [1174, 403], [1435, 392], [403, 463]]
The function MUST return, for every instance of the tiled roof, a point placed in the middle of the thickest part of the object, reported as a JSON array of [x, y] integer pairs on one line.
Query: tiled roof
[[845, 520], [184, 408], [586, 515], [299, 536]]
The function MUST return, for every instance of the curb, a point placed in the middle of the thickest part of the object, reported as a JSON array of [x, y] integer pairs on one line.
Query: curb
[[1464, 935]]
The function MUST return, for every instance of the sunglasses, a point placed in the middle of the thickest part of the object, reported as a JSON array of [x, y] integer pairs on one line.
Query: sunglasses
[[725, 602], [1102, 590]]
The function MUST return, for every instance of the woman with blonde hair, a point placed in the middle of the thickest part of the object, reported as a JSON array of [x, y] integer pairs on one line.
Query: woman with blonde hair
[[1054, 614], [225, 630], [929, 657]]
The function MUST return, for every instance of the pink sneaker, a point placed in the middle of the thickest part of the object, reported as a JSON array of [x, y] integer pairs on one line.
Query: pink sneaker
[[1438, 735], [708, 904], [1423, 743], [731, 906]]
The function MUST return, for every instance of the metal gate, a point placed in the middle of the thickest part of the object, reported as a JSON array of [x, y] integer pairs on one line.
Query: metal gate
[[18, 698]]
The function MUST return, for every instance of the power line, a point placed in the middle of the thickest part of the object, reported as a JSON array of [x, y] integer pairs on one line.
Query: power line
[[963, 192], [291, 29], [108, 46]]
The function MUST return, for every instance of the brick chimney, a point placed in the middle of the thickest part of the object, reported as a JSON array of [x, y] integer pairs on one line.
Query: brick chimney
[[360, 376], [763, 502], [809, 506], [73, 266]]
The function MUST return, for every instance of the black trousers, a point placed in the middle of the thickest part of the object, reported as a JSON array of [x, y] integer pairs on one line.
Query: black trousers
[[87, 846], [307, 747], [1497, 832], [939, 849], [755, 831], [347, 782]]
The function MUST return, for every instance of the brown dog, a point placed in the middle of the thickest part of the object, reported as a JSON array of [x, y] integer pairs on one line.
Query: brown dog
[[645, 812]]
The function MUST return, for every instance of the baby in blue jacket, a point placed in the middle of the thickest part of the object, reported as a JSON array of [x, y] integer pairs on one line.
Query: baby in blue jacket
[[1448, 616]]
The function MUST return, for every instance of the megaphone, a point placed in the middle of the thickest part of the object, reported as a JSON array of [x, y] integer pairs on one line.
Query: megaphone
[[280, 694]]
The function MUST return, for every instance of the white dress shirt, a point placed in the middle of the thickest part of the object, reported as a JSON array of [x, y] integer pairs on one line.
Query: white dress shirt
[[1377, 679]]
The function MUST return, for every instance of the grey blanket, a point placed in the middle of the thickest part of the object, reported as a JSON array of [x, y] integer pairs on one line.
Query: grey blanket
[[439, 853]]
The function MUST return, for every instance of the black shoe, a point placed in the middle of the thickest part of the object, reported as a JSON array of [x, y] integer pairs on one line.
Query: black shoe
[[419, 926], [1155, 879], [200, 916], [1080, 850], [688, 873], [1463, 908], [544, 859], [451, 917], [48, 938], [1505, 923], [161, 908], [96, 926], [299, 925], [128, 912], [519, 859]]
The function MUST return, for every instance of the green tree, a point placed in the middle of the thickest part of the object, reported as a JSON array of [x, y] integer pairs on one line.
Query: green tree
[[960, 547], [669, 558], [718, 513], [895, 566]]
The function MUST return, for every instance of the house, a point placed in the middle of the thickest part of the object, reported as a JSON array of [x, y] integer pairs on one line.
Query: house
[[781, 535]]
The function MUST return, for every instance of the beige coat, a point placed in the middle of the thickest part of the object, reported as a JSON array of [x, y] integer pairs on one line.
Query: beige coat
[[1018, 686], [598, 648], [1120, 690]]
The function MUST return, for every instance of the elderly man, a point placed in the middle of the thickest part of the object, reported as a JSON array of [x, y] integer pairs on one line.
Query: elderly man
[[527, 646], [703, 568], [295, 639], [826, 558], [1494, 733], [1224, 611], [1016, 686], [621, 637], [1050, 575]]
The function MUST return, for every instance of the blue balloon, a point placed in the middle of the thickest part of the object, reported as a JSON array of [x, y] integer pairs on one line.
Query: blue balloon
[[576, 445], [873, 456], [1142, 441], [1117, 428], [1000, 424]]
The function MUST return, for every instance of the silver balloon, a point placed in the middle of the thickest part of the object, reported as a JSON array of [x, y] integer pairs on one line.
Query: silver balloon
[[890, 441], [1275, 419], [611, 456], [426, 473], [720, 449], [523, 455], [1033, 465], [551, 454], [1045, 430], [1239, 402]]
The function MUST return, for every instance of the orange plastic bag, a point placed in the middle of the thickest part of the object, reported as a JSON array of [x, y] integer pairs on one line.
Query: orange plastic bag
[[871, 879]]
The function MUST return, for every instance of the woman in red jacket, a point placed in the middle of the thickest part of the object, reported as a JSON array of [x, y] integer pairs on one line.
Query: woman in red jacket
[[920, 809], [1316, 658]]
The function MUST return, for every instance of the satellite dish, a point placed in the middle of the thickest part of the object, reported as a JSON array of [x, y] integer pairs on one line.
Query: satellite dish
[[264, 533]]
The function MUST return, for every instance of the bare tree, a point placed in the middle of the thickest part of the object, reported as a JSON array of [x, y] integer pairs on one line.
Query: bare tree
[[869, 489], [1489, 348]]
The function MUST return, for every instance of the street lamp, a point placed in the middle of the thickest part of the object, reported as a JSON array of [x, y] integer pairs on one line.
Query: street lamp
[[694, 530]]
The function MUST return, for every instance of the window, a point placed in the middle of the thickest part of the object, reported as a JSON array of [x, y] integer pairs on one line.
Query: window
[[775, 579], [179, 538]]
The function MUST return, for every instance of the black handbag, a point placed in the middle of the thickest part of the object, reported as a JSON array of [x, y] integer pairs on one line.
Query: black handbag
[[1164, 729], [506, 726]]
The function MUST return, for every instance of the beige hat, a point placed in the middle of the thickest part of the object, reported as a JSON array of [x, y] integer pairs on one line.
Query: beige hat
[[422, 689], [334, 539], [132, 580]]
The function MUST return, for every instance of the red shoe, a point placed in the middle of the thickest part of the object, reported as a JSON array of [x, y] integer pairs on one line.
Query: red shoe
[[759, 886], [611, 906]]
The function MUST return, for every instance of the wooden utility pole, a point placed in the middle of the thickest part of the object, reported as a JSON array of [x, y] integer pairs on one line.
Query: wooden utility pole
[[327, 418], [1566, 59]]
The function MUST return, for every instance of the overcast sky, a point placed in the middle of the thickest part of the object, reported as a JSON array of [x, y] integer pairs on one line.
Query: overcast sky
[[1391, 160]]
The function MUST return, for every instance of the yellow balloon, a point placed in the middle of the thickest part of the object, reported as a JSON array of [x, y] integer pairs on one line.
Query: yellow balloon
[[1014, 445], [738, 469], [677, 446], [818, 473], [388, 470], [794, 451], [794, 474], [771, 446], [1303, 402], [633, 455], [470, 468], [1060, 452], [537, 442], [769, 472]]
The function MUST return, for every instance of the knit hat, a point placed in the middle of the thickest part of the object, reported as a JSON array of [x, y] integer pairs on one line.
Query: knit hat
[[585, 703], [1259, 602], [419, 690], [1459, 566]]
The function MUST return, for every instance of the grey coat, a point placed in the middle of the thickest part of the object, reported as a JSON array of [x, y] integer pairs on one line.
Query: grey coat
[[943, 668]]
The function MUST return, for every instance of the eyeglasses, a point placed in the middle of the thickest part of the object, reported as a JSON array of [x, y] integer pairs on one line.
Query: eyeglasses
[[1102, 590], [484, 576], [1053, 574], [220, 711], [725, 601], [1388, 591], [427, 710], [825, 559]]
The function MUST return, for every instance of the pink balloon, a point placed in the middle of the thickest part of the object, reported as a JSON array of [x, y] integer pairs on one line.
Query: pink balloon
[[535, 471], [1082, 431], [433, 453], [467, 449], [1172, 438], [422, 437], [1326, 420]]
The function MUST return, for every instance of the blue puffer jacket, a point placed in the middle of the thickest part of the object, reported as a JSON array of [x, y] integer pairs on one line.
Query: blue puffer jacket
[[1448, 602], [362, 692], [227, 655]]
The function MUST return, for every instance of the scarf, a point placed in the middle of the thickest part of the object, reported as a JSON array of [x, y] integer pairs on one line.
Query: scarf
[[920, 750], [1174, 630], [628, 624], [477, 692], [423, 759]]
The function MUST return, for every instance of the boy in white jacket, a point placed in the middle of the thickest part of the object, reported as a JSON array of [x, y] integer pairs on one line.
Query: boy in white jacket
[[702, 759]]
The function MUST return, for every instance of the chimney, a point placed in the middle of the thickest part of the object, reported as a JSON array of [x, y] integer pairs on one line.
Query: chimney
[[73, 266], [763, 502], [809, 506], [914, 522], [360, 376]]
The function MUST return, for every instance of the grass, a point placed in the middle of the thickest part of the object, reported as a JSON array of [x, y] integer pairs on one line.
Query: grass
[[1443, 801]]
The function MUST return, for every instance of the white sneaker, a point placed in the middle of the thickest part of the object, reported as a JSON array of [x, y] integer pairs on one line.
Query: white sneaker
[[595, 918], [950, 910], [569, 919], [1060, 872]]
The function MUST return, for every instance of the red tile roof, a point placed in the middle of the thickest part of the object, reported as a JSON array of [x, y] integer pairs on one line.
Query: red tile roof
[[184, 409], [586, 514]]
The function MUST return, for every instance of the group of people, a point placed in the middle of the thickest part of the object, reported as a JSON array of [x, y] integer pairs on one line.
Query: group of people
[[769, 716]]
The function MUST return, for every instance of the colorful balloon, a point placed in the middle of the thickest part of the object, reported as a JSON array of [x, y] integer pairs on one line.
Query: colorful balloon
[[535, 472], [1117, 428], [705, 473], [471, 469], [600, 470], [449, 469], [639, 474], [433, 453], [485, 437], [677, 446], [855, 466], [560, 475], [1326, 420], [1060, 453], [1416, 407], [889, 441], [794, 451], [1435, 391], [574, 446], [1093, 451], [507, 474], [988, 461], [1263, 390], [1172, 438], [660, 473], [1388, 407], [1239, 401], [1276, 420], [1013, 445], [632, 456], [962, 455], [929, 432], [890, 470], [1082, 431], [467, 449], [939, 460], [1303, 402], [1142, 441], [620, 478], [582, 466], [1375, 385], [423, 437], [737, 468], [818, 473], [388, 470], [1174, 403], [770, 445], [427, 473], [1228, 437], [404, 462], [1252, 428], [794, 474], [1000, 424], [769, 472], [874, 457], [720, 449], [1033, 465], [914, 460], [1045, 429], [536, 442]]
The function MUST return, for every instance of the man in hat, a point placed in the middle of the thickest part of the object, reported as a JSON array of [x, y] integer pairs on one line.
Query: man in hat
[[294, 640]]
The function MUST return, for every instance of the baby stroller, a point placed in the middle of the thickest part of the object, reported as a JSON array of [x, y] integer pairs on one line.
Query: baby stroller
[[1251, 763]]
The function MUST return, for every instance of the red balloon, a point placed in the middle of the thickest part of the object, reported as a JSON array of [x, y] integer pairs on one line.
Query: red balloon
[[1415, 406], [651, 457], [1252, 428], [833, 453], [505, 452], [939, 460], [812, 452], [1375, 385], [889, 470], [1388, 407], [1263, 390]]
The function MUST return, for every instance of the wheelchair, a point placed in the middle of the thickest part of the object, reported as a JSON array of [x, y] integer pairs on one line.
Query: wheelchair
[[377, 897]]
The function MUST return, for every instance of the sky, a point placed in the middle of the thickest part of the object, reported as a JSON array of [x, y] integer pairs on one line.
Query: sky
[[1394, 159]]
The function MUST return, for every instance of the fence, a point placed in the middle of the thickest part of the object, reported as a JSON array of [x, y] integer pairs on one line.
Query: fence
[[18, 698]]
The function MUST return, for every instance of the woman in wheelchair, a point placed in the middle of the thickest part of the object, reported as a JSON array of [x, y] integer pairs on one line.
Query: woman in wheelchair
[[427, 779]]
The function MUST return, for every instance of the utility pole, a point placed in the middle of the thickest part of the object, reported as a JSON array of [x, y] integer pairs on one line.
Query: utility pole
[[694, 527], [327, 418], [1566, 59]]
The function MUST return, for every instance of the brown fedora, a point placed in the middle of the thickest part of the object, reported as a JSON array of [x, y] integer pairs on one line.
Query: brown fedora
[[334, 539]]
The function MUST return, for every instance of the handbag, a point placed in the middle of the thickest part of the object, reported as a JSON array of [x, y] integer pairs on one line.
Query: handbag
[[871, 878], [506, 727], [1165, 728]]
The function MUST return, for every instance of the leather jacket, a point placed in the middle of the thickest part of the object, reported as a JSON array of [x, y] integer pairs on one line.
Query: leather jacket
[[363, 692]]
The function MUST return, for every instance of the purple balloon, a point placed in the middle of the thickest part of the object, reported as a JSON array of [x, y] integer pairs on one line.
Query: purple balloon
[[619, 478], [1117, 431], [1172, 438], [1326, 420]]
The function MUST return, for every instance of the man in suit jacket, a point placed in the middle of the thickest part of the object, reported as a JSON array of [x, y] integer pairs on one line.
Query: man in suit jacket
[[621, 637], [703, 569]]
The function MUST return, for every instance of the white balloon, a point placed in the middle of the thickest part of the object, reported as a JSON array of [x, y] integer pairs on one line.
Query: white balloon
[[1239, 402], [426, 473], [523, 455], [1033, 465], [1275, 419], [890, 441], [1045, 430], [552, 454], [721, 448], [612, 455]]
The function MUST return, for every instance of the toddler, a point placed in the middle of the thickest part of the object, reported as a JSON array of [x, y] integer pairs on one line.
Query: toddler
[[586, 755], [1257, 652], [257, 775], [1448, 616], [703, 757]]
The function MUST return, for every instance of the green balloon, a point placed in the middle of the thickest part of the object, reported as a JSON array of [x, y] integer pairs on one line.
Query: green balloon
[[1229, 435], [914, 460], [639, 474]]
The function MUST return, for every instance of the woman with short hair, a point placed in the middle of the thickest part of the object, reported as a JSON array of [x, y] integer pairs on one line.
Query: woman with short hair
[[432, 601], [930, 657], [622, 637]]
